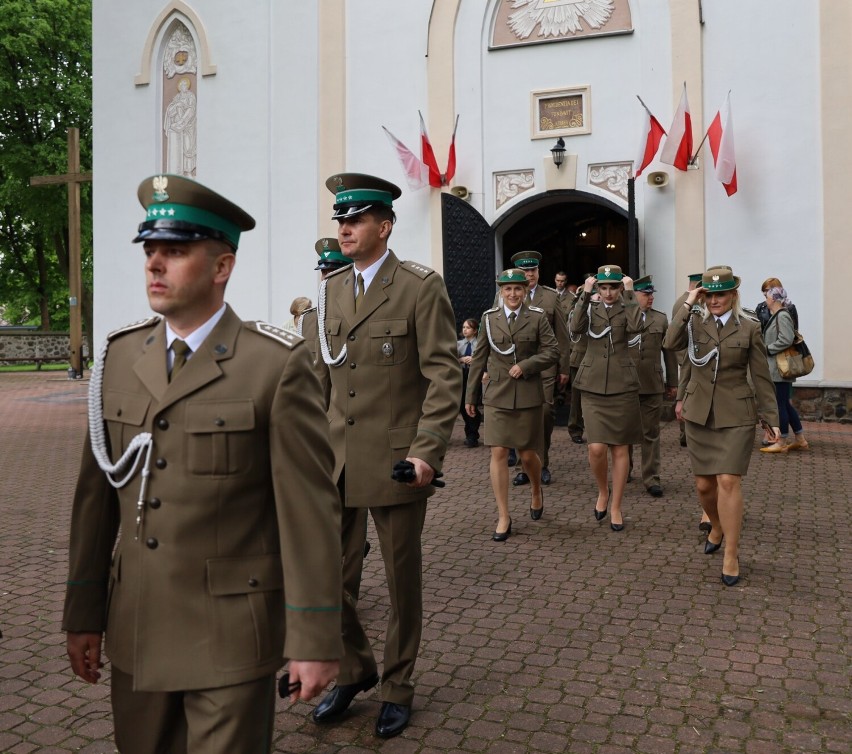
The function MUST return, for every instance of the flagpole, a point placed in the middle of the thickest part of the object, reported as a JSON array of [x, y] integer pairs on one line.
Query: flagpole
[[695, 156]]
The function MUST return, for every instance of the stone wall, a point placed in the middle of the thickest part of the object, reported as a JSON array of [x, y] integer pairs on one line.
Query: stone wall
[[31, 346], [823, 403]]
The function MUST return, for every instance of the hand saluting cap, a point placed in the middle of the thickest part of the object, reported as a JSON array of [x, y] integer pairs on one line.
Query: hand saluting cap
[[355, 193], [181, 209]]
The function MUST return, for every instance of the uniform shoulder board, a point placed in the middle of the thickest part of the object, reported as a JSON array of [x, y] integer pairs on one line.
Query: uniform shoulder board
[[536, 309], [751, 314], [149, 322], [417, 269], [493, 309], [312, 309], [548, 288], [289, 339]]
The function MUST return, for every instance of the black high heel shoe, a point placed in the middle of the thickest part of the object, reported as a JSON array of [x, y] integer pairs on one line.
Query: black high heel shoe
[[729, 580], [502, 536], [616, 527], [601, 515], [535, 513], [710, 548]]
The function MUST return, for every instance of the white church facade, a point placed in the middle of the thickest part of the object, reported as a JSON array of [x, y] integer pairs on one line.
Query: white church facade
[[262, 100]]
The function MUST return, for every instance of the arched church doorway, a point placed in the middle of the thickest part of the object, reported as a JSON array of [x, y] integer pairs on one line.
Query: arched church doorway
[[574, 231]]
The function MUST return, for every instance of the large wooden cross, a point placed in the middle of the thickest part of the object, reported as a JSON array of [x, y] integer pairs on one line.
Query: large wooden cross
[[72, 179]]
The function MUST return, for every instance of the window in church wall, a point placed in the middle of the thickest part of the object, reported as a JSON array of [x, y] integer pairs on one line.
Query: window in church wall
[[180, 102]]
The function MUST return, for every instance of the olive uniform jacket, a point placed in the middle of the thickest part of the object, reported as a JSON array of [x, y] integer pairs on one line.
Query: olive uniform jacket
[[396, 394], [606, 368], [733, 401], [547, 299], [234, 565], [308, 330], [646, 355], [536, 350]]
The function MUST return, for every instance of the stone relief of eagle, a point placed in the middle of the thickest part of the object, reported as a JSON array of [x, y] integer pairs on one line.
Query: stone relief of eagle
[[558, 17]]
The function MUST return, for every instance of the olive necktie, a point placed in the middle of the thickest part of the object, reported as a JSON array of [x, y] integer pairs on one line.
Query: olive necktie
[[181, 350], [512, 318], [719, 325], [359, 289]]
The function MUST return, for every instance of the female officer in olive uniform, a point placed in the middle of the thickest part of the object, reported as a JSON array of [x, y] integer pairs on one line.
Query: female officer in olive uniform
[[608, 382], [723, 347], [515, 346]]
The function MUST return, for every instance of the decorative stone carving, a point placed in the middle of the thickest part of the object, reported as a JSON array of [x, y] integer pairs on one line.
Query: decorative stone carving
[[180, 56], [556, 18], [508, 185], [180, 103], [518, 22], [611, 177]]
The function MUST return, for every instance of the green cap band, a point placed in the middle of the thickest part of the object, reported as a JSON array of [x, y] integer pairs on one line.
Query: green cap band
[[196, 216], [527, 262], [354, 196]]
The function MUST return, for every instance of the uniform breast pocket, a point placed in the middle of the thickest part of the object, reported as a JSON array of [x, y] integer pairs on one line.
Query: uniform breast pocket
[[736, 350], [126, 414], [332, 334], [219, 437], [388, 341]]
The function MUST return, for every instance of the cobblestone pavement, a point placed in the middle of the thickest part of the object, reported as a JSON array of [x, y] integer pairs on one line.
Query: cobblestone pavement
[[566, 638]]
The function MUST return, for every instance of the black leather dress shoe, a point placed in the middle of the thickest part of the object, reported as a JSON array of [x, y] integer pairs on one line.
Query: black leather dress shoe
[[655, 490], [337, 701], [546, 478], [502, 536], [513, 458], [577, 439], [520, 478], [710, 548], [393, 719]]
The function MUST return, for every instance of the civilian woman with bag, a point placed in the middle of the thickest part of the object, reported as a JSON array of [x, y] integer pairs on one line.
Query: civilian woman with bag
[[778, 334], [719, 405]]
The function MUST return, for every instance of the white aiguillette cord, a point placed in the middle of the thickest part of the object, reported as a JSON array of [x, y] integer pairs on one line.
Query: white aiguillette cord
[[704, 359], [142, 443], [325, 349]]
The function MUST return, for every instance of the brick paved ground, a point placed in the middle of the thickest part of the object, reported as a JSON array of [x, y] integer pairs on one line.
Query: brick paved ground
[[566, 638]]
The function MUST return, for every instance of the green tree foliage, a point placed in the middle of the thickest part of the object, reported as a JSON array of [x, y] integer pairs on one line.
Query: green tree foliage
[[45, 88]]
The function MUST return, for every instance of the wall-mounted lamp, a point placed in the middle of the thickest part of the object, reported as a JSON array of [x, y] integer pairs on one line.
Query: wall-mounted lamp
[[558, 152]]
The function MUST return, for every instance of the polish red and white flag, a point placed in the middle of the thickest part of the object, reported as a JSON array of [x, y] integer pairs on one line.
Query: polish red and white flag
[[451, 158], [721, 138], [652, 135], [415, 171], [427, 154], [677, 150]]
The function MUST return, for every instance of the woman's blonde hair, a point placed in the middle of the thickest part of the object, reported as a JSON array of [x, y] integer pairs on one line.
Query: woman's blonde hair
[[300, 305]]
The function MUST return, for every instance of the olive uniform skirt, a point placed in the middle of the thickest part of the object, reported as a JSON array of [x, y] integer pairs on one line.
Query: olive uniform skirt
[[719, 451], [612, 419], [521, 428]]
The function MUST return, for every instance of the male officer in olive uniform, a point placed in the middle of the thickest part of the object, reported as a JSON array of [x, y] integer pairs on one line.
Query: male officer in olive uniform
[[545, 298], [330, 259], [387, 338], [221, 570], [648, 355]]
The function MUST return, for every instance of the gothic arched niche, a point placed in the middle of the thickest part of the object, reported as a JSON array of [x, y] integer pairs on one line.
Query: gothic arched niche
[[179, 72], [520, 22]]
